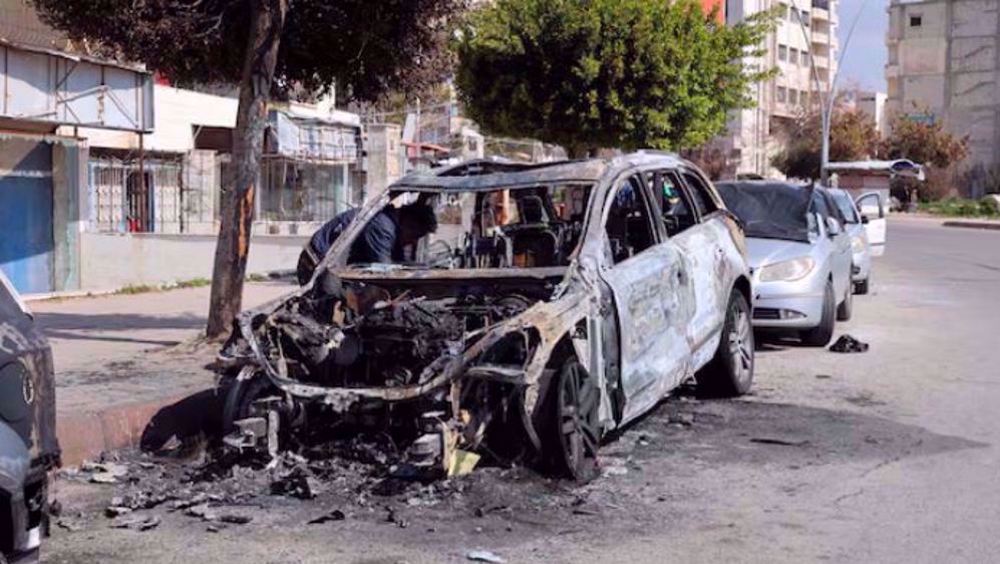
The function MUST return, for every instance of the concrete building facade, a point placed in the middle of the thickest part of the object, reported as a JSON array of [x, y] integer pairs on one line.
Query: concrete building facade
[[804, 49], [944, 65]]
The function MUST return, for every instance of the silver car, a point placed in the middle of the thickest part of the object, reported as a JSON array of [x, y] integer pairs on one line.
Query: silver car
[[800, 255], [554, 302], [867, 233]]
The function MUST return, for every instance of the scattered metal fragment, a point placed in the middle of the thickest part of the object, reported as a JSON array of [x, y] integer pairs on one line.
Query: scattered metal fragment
[[335, 515], [685, 419], [848, 344], [484, 556], [69, 525], [137, 523], [780, 442], [234, 519]]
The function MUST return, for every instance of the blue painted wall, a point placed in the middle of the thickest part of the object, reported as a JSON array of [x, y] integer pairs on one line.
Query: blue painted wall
[[26, 237]]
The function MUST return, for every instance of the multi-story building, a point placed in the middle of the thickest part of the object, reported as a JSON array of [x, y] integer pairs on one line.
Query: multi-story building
[[803, 47], [944, 65]]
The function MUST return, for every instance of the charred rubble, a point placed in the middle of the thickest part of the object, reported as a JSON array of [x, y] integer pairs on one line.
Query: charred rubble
[[349, 357]]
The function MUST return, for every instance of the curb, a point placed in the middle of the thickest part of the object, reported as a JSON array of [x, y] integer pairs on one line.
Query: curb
[[85, 436], [995, 226]]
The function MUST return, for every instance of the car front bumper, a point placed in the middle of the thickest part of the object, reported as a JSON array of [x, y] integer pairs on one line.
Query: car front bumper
[[790, 311]]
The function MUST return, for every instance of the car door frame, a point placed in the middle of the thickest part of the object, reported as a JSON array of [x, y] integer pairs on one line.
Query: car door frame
[[876, 229], [654, 351], [711, 306]]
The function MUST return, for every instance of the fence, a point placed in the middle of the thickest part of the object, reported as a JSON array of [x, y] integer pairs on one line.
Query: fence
[[122, 201]]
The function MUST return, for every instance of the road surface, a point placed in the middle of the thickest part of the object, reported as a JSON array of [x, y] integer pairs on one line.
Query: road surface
[[886, 456]]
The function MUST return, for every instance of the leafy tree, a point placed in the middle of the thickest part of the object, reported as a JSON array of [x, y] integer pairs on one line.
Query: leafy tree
[[852, 137], [605, 73], [266, 47], [925, 142]]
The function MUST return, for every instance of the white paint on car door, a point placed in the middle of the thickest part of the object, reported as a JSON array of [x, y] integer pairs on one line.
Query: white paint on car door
[[653, 301], [873, 208]]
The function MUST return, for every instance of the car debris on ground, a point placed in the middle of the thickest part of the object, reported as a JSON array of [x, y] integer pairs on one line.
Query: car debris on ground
[[848, 344]]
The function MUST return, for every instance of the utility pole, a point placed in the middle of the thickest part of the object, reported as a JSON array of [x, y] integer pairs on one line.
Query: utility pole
[[829, 94]]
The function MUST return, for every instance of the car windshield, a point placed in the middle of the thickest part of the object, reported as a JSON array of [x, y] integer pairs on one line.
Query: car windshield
[[525, 227], [846, 206]]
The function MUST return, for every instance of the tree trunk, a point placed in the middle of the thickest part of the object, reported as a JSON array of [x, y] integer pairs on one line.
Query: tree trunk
[[236, 217]]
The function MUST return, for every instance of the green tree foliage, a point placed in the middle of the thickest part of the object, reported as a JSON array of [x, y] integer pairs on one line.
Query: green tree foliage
[[852, 137], [925, 142], [605, 73]]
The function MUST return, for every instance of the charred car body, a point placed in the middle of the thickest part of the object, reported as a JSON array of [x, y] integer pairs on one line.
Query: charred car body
[[555, 302], [28, 445]]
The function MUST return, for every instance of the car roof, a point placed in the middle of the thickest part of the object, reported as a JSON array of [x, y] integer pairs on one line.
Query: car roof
[[488, 174]]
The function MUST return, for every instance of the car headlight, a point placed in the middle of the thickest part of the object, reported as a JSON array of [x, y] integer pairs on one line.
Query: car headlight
[[789, 270], [857, 245]]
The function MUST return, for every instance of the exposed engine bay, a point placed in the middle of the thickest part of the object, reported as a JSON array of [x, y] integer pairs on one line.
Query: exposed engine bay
[[399, 351], [387, 342]]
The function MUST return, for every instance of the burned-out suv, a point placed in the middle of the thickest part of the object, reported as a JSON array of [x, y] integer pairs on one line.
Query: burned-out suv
[[28, 446], [553, 303]]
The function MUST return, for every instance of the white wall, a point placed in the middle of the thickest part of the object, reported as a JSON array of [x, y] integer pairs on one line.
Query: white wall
[[176, 113], [111, 261]]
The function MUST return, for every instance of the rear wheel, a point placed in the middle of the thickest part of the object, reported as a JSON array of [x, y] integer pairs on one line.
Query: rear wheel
[[730, 373], [846, 308], [820, 335], [861, 288], [575, 431]]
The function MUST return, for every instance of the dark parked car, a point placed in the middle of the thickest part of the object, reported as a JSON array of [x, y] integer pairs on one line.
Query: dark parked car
[[28, 445]]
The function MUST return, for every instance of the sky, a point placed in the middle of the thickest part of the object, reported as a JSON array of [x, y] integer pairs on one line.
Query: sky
[[864, 58]]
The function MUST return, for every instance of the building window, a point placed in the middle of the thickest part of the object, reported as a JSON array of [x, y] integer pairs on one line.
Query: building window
[[916, 20], [782, 53], [793, 56], [793, 96], [805, 18], [791, 14], [782, 92]]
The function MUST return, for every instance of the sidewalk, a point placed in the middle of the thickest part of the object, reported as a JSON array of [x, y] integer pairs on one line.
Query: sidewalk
[[946, 221], [120, 359]]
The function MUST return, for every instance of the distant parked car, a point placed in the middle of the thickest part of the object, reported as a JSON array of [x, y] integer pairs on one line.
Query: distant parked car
[[867, 234], [28, 445], [799, 253]]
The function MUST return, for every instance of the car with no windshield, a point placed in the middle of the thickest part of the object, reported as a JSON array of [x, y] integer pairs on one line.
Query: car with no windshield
[[28, 445], [800, 255], [553, 303]]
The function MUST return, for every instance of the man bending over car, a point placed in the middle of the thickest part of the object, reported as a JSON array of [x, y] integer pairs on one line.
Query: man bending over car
[[383, 240]]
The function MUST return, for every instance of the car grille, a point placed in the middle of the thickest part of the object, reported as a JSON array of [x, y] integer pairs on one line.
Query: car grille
[[766, 313]]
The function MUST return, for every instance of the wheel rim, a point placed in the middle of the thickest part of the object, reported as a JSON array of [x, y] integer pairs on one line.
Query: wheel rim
[[741, 343], [579, 432]]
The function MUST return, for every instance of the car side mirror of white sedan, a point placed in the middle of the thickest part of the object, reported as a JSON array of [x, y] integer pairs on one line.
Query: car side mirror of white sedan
[[864, 219]]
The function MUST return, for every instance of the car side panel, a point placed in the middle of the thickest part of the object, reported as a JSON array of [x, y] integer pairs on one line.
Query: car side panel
[[654, 301]]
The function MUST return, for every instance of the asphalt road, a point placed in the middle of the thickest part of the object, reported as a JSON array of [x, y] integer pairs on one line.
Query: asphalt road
[[886, 456]]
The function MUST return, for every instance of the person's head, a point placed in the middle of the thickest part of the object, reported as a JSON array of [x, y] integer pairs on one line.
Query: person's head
[[415, 222]]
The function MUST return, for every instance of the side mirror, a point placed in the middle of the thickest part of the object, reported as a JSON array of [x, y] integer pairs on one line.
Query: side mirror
[[833, 227], [864, 219]]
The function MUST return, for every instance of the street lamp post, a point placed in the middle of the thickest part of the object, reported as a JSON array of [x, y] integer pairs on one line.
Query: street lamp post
[[827, 95]]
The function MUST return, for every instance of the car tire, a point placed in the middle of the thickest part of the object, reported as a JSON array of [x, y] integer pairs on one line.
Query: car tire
[[846, 308], [241, 394], [573, 433], [730, 372], [820, 335], [861, 288]]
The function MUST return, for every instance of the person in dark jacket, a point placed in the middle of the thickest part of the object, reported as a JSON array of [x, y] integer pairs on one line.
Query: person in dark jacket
[[383, 240]]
